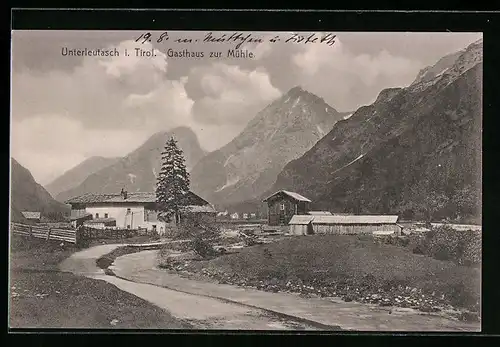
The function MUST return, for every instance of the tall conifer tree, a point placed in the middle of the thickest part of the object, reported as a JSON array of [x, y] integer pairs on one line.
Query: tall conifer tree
[[172, 184]]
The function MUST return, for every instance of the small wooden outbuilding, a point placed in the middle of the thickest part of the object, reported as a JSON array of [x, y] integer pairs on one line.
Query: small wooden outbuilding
[[348, 225], [283, 204], [33, 217], [301, 225]]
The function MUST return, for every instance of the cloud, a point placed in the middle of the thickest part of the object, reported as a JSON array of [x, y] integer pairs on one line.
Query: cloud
[[128, 65], [229, 94], [348, 80], [50, 144], [105, 92]]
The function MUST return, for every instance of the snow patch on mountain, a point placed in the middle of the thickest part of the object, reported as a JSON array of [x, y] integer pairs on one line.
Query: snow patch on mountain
[[132, 178], [320, 131], [442, 72], [228, 159], [350, 163], [230, 182]]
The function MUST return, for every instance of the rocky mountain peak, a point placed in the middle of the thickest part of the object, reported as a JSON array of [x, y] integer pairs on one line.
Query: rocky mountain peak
[[248, 165], [399, 153], [387, 94], [299, 93], [450, 67], [295, 91], [137, 170]]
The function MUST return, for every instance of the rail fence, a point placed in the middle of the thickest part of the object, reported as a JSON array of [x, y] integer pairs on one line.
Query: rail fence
[[78, 236], [47, 233], [112, 233]]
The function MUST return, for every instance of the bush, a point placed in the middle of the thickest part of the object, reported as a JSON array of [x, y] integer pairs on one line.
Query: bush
[[418, 249], [446, 243], [461, 297], [203, 248]]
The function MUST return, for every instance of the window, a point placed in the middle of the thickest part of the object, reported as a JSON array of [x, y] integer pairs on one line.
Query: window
[[282, 207], [128, 226], [105, 215], [128, 210], [97, 215]]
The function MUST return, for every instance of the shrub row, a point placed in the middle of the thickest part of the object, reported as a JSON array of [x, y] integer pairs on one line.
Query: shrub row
[[444, 243]]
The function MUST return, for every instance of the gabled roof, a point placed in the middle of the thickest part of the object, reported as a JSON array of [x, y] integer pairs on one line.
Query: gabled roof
[[90, 198], [31, 215], [319, 213], [301, 220], [132, 197], [293, 195], [367, 219]]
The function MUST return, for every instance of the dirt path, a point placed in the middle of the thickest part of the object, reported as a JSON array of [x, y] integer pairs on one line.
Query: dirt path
[[200, 311]]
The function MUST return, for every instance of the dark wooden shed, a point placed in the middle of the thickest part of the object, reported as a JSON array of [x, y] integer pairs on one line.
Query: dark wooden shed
[[283, 205]]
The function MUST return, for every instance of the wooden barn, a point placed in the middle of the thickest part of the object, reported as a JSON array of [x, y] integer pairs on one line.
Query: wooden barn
[[349, 225], [32, 217], [301, 225], [283, 205]]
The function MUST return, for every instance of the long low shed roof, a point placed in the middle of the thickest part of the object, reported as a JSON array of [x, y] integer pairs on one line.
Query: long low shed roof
[[301, 219], [370, 219]]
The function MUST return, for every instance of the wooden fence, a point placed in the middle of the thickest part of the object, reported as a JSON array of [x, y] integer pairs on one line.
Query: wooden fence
[[45, 232], [112, 233], [77, 237]]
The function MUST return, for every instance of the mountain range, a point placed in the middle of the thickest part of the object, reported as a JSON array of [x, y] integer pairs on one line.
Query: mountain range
[[78, 174], [28, 195], [415, 151], [137, 171], [249, 164]]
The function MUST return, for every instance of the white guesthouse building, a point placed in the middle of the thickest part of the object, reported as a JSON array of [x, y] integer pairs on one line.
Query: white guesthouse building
[[131, 210]]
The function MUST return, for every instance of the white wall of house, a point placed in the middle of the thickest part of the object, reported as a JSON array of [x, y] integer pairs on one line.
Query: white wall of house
[[135, 216], [124, 218]]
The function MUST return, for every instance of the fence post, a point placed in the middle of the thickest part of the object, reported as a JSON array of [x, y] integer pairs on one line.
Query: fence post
[[30, 231], [77, 236], [48, 234]]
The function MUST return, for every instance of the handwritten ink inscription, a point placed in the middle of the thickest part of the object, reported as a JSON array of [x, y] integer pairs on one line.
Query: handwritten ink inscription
[[239, 38]]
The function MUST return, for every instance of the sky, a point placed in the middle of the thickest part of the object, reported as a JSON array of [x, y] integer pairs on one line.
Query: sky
[[66, 109]]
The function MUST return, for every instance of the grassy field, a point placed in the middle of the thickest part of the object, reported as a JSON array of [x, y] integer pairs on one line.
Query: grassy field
[[353, 267], [41, 296]]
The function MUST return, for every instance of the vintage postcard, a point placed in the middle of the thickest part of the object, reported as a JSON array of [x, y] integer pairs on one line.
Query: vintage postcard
[[313, 181]]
